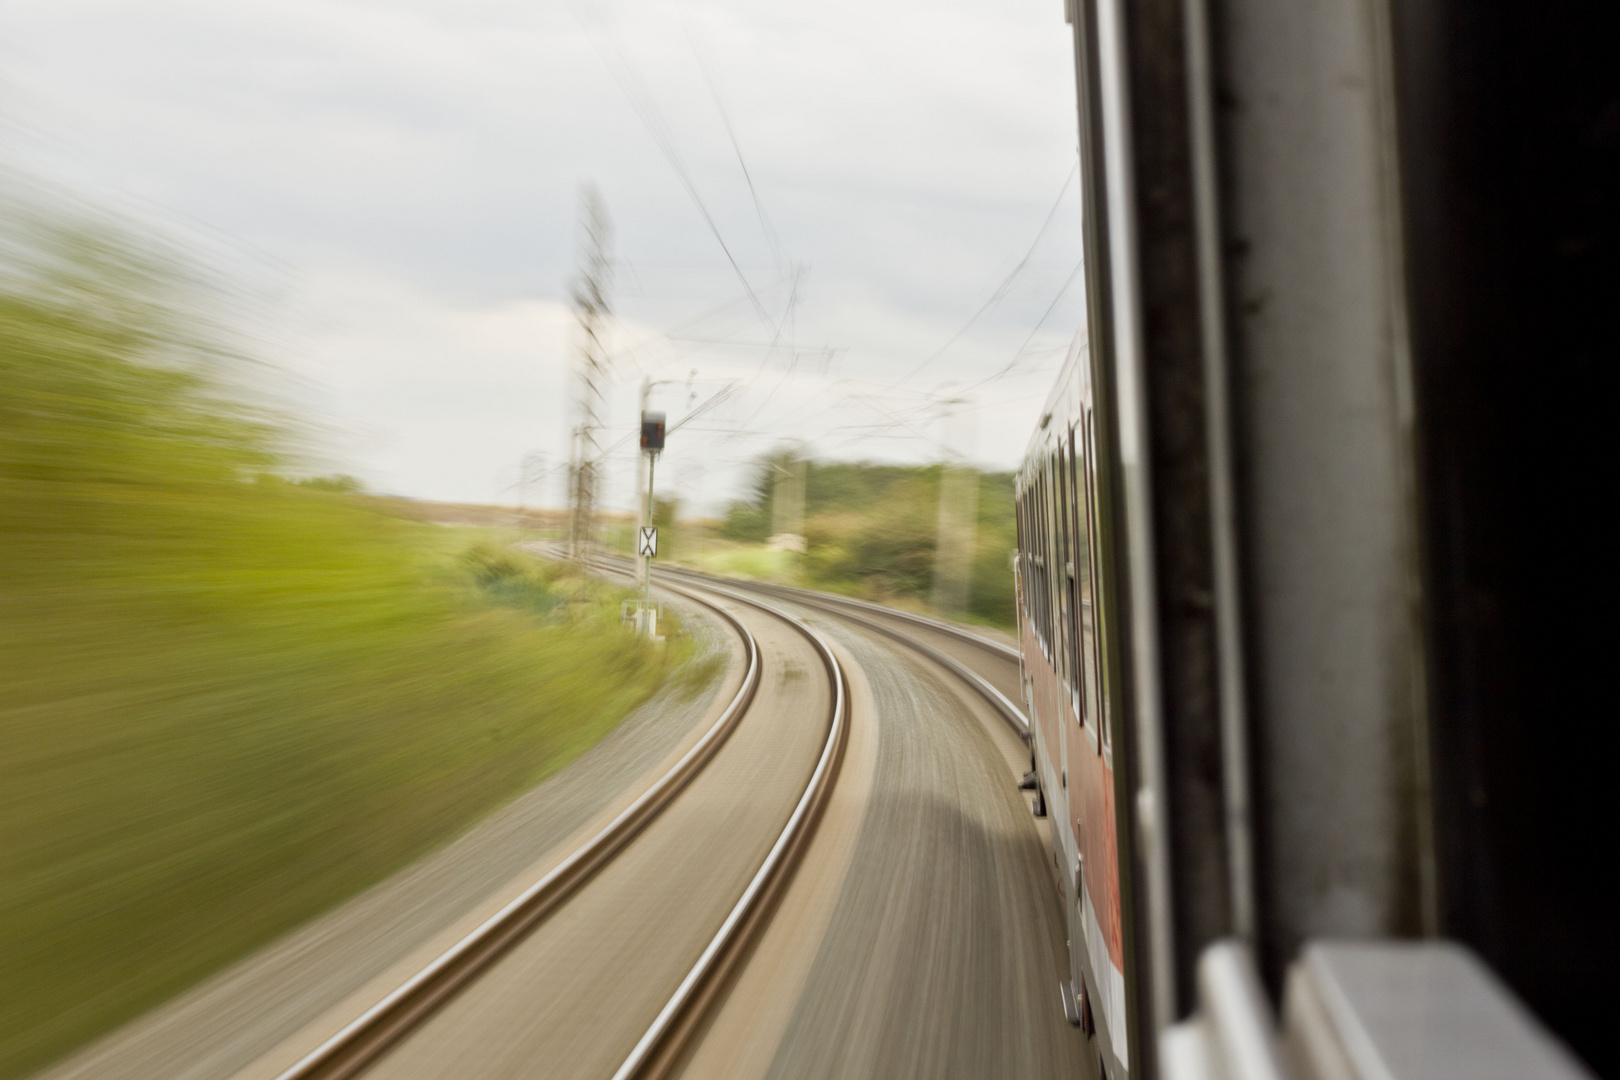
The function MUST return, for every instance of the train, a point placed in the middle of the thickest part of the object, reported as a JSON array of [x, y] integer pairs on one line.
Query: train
[[1068, 644], [1314, 609]]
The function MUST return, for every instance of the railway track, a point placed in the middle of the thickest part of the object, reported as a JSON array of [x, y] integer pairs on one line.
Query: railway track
[[390, 1027], [908, 629], [989, 669], [918, 935], [949, 833]]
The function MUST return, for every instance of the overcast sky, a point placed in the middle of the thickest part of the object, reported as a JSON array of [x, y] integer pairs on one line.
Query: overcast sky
[[401, 182]]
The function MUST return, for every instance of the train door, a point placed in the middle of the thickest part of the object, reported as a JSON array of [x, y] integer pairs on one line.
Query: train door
[[1102, 714], [1077, 735], [1035, 518], [1082, 777], [1080, 583], [1099, 915], [1054, 566]]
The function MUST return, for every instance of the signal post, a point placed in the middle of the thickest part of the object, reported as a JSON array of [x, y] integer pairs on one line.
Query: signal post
[[652, 444]]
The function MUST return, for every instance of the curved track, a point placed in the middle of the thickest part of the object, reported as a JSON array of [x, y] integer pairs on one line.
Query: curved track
[[945, 950], [990, 667], [407, 1030], [742, 917]]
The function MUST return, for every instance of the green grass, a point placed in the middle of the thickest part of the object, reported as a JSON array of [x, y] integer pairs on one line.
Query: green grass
[[228, 702], [749, 561], [870, 532], [756, 562]]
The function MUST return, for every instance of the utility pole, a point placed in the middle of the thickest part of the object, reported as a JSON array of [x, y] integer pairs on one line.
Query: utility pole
[[534, 465], [787, 509], [787, 504], [592, 310], [957, 534]]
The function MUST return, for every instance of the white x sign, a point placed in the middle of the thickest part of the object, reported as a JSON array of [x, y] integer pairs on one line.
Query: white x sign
[[648, 543]]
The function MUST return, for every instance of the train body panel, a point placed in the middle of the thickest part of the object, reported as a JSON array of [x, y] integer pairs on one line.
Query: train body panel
[[1327, 450], [1066, 639]]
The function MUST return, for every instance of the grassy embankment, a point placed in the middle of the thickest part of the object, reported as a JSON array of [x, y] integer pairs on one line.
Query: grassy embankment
[[870, 532], [228, 702]]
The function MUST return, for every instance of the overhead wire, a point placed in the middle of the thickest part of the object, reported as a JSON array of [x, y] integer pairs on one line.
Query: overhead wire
[[714, 399], [643, 102], [701, 317], [1006, 282], [1017, 356], [894, 422], [770, 350], [645, 105], [765, 226]]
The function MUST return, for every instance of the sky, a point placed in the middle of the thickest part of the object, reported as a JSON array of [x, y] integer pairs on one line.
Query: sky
[[857, 221]]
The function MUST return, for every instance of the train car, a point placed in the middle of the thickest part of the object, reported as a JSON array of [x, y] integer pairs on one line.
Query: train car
[[1313, 607], [1064, 571]]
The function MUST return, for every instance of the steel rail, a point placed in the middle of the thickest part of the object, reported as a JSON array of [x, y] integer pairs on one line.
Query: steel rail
[[1006, 652], [1011, 713], [377, 1030], [662, 1049]]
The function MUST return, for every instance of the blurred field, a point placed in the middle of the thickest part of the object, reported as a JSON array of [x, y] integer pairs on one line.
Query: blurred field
[[228, 701], [746, 560], [870, 531]]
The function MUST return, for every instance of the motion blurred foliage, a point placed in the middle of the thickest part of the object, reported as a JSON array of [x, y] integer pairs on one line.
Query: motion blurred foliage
[[870, 531], [343, 485], [665, 513], [228, 701]]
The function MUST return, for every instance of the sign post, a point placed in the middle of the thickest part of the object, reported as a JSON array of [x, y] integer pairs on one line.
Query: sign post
[[652, 444]]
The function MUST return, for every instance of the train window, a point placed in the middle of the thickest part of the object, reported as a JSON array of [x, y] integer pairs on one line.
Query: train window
[[1045, 506], [1085, 584], [1032, 563], [1064, 570], [1078, 583], [1097, 661], [1022, 516], [1054, 567], [1046, 560], [1039, 515], [1037, 547], [1054, 539], [1018, 550], [1035, 561], [1018, 543]]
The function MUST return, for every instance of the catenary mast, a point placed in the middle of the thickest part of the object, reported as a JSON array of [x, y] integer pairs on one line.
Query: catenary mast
[[592, 310]]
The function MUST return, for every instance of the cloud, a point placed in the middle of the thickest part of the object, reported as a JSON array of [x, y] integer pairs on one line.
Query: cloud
[[414, 167]]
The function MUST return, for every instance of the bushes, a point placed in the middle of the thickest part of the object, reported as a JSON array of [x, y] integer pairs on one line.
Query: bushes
[[227, 701], [871, 529]]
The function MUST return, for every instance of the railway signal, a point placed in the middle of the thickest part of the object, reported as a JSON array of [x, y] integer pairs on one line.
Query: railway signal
[[652, 444], [652, 432]]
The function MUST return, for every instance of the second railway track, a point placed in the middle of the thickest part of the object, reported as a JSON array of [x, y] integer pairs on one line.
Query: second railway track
[[402, 1031], [906, 628]]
